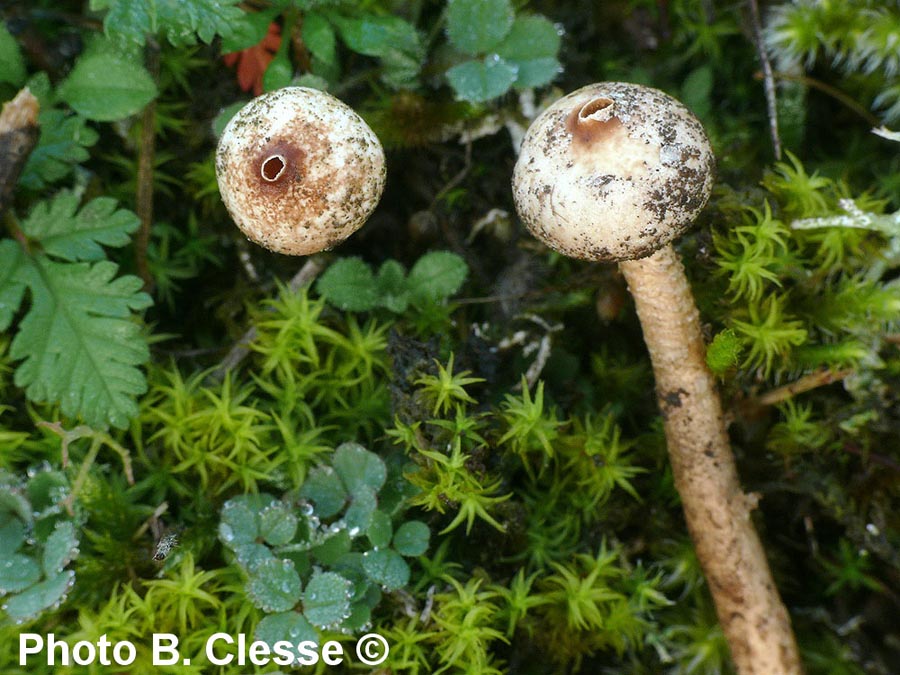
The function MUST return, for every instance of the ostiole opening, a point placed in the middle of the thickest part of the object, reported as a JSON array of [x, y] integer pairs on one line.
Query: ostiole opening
[[273, 167], [600, 109]]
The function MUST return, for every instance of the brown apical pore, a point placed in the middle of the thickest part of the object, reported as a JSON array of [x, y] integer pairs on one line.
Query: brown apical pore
[[299, 171]]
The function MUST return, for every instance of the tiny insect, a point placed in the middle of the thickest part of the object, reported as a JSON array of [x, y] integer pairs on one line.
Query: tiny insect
[[165, 545]]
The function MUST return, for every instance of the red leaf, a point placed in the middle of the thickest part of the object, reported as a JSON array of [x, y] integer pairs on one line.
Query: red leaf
[[252, 62]]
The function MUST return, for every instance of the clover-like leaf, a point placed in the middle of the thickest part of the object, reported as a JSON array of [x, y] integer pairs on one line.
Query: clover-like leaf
[[359, 617], [332, 549], [359, 514], [411, 538], [349, 285], [42, 596], [45, 490], [251, 555], [477, 26], [532, 46], [326, 601], [386, 567], [393, 291], [289, 627], [325, 489], [12, 533], [275, 586], [380, 529], [61, 546], [277, 524], [17, 572], [239, 523], [437, 275], [14, 504], [358, 468], [482, 80]]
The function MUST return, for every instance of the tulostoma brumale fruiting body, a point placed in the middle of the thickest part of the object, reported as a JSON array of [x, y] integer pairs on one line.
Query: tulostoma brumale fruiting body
[[299, 171], [614, 172], [631, 169]]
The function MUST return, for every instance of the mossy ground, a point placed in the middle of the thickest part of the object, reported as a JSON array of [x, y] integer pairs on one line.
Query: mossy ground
[[516, 416]]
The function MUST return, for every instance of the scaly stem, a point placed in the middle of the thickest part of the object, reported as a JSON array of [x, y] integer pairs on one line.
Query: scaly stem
[[717, 511]]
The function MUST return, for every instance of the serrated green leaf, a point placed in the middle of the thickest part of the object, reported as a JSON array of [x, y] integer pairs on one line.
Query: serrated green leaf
[[326, 600], [17, 572], [277, 524], [60, 547], [379, 35], [319, 37], [380, 529], [358, 468], [180, 21], [274, 585], [12, 65], [349, 285], [39, 597], [480, 81], [530, 37], [395, 41], [289, 627], [249, 30], [325, 489], [105, 87], [411, 539], [436, 276], [11, 287], [72, 236], [78, 343], [387, 568], [63, 142], [477, 26], [359, 514], [392, 289]]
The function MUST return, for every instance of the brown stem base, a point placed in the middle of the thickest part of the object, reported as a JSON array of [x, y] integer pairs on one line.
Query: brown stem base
[[717, 511]]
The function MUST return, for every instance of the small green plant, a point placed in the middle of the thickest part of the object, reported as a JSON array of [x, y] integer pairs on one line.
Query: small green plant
[[79, 342], [499, 50], [350, 284], [320, 557], [38, 540]]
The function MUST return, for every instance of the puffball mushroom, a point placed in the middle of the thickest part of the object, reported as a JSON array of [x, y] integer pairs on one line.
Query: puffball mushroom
[[615, 172], [299, 171]]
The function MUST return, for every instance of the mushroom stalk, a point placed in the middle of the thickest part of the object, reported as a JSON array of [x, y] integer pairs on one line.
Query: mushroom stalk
[[614, 172], [717, 511]]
